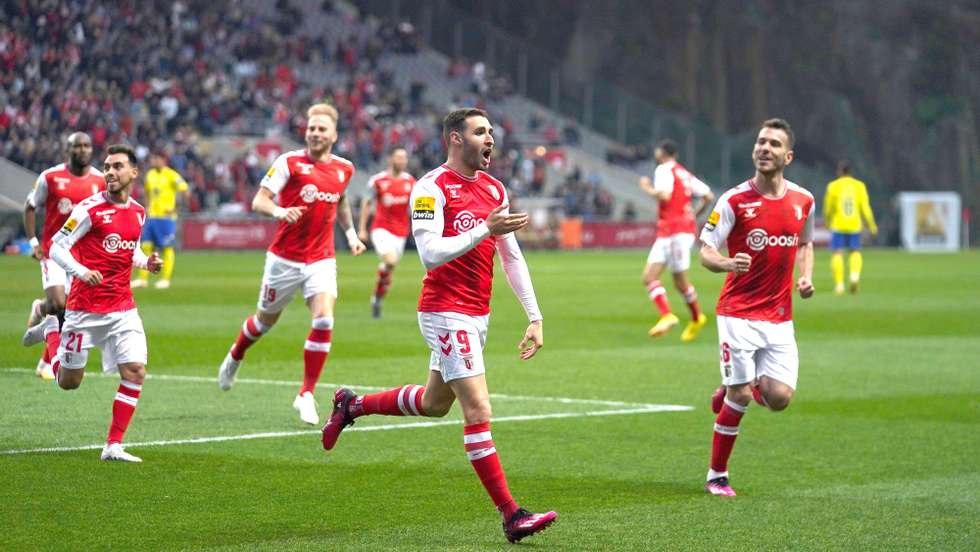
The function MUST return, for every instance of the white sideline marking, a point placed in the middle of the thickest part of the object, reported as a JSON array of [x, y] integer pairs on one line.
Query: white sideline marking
[[629, 408], [411, 425]]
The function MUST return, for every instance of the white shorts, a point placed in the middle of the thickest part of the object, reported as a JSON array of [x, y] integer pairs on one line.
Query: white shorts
[[282, 278], [751, 349], [456, 341], [385, 242], [673, 251], [53, 275], [119, 335]]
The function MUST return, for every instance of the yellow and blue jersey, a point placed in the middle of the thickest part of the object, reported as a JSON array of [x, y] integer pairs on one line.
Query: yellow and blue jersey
[[161, 187], [844, 205]]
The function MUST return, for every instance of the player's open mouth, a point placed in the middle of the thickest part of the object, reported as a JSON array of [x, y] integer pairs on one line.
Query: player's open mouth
[[486, 154]]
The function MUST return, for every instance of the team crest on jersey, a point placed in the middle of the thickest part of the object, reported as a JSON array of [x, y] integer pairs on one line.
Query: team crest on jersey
[[340, 175], [494, 192], [424, 208], [304, 168], [65, 206], [799, 212], [465, 221]]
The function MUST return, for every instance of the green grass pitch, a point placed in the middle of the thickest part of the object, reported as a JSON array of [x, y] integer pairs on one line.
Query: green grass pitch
[[878, 451]]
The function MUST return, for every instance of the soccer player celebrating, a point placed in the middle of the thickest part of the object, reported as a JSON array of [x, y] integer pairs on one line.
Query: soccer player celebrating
[[674, 186], [389, 229], [768, 224], [162, 187], [99, 245], [844, 204], [58, 189], [311, 186], [459, 219]]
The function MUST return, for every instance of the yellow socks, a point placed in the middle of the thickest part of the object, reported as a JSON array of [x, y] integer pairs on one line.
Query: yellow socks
[[855, 261], [168, 263]]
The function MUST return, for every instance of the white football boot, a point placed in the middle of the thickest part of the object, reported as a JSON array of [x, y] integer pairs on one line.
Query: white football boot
[[307, 408], [227, 371], [44, 370], [35, 334], [115, 452]]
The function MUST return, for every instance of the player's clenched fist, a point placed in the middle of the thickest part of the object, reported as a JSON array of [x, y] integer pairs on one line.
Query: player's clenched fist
[[288, 214], [741, 263], [501, 223], [805, 287], [92, 277], [153, 263]]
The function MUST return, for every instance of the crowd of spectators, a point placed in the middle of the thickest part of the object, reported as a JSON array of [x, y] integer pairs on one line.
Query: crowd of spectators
[[166, 76]]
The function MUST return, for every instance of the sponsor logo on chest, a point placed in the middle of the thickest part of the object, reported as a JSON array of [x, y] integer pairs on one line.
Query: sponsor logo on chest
[[465, 221], [310, 193], [758, 239], [114, 242]]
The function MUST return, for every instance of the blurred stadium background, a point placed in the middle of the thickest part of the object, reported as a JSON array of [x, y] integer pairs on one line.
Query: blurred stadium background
[[579, 92]]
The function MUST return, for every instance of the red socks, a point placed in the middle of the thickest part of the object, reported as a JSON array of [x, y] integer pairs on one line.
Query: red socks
[[483, 455], [658, 295], [315, 352], [691, 298], [726, 430], [123, 408], [400, 401], [252, 330], [384, 282]]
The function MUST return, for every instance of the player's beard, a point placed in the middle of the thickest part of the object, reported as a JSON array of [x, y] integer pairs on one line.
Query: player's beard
[[474, 159]]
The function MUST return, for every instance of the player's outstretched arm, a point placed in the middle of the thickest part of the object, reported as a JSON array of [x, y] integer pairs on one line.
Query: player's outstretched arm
[[804, 265], [519, 278], [264, 203], [77, 225], [362, 219], [714, 261], [346, 221]]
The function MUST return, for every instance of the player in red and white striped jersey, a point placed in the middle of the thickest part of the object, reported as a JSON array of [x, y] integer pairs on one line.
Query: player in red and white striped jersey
[[767, 223], [99, 245], [391, 189], [311, 188], [459, 221], [56, 191], [674, 186]]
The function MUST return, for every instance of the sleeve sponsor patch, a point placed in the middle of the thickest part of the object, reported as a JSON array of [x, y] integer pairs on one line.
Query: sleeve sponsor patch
[[70, 225], [713, 219], [424, 208], [272, 171]]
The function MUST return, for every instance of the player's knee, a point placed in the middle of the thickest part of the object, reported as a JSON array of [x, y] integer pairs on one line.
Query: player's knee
[[739, 394], [779, 402], [434, 409], [268, 318], [133, 372], [67, 381], [478, 413]]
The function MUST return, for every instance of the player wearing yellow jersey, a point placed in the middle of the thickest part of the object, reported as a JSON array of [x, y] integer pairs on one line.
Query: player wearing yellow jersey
[[162, 187], [844, 205]]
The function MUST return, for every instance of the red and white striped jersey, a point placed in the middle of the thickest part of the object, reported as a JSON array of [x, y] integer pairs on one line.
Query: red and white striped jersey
[[58, 190], [770, 230], [391, 195], [103, 236], [675, 215], [449, 204], [300, 181]]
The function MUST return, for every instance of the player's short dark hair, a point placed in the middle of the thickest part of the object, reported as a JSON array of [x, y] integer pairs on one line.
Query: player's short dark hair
[[668, 146], [844, 166], [396, 147], [455, 121], [123, 148], [782, 125]]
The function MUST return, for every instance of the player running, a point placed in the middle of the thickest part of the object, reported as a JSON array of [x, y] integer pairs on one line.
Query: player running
[[57, 190], [459, 219], [389, 229], [674, 186], [99, 246], [768, 224], [311, 186], [844, 204], [162, 187]]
